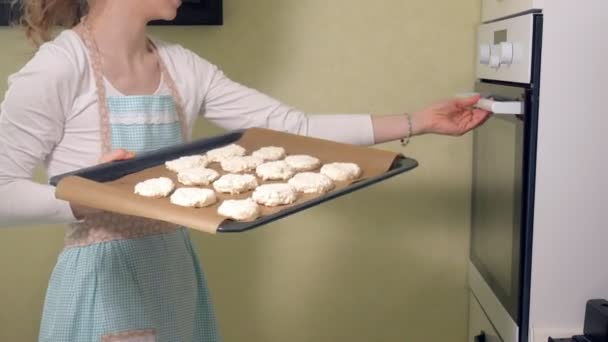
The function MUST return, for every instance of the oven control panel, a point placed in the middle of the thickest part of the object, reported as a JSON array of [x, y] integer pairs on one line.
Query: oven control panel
[[505, 49], [495, 9]]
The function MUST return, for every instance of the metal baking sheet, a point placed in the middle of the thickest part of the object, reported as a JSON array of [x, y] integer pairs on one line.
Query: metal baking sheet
[[115, 170]]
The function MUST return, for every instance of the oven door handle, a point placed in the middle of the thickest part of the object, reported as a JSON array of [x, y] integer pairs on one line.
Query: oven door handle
[[501, 107]]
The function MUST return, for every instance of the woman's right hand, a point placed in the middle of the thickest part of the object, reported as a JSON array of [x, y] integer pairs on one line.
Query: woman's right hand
[[81, 212]]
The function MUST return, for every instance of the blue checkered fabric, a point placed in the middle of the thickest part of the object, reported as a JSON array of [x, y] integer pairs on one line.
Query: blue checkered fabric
[[148, 283], [143, 123]]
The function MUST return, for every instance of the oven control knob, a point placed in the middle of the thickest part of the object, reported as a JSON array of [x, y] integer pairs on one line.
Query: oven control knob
[[494, 61], [494, 56], [484, 53], [506, 53]]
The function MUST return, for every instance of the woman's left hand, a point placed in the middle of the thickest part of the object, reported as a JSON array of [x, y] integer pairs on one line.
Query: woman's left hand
[[452, 117]]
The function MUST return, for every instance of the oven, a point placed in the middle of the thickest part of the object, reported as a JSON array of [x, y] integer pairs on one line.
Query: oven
[[504, 158]]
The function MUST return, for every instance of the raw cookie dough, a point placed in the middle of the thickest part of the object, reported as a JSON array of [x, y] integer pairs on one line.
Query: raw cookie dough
[[241, 164], [275, 170], [197, 176], [155, 187], [302, 162], [311, 183], [193, 197], [186, 162], [340, 172], [219, 154], [240, 210], [270, 153], [235, 184], [272, 195]]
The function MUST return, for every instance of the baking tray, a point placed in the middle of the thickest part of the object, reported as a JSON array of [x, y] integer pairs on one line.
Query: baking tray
[[118, 169]]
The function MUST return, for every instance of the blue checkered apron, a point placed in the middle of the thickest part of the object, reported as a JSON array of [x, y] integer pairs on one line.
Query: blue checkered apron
[[150, 288]]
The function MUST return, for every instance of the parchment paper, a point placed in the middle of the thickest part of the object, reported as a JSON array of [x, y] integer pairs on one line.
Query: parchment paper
[[117, 196]]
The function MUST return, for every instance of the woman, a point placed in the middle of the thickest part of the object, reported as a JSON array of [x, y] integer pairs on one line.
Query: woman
[[102, 91]]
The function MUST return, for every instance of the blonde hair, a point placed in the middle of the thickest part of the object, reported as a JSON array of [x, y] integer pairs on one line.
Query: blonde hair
[[40, 17]]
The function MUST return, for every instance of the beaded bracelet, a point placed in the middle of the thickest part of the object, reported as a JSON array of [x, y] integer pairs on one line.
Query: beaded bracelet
[[406, 140]]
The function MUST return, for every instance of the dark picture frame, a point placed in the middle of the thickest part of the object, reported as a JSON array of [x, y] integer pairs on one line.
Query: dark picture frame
[[191, 12], [8, 13], [197, 12]]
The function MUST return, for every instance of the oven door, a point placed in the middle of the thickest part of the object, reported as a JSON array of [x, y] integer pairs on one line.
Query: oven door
[[500, 206]]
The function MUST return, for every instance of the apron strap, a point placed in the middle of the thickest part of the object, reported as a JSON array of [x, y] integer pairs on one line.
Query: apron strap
[[104, 118], [179, 104]]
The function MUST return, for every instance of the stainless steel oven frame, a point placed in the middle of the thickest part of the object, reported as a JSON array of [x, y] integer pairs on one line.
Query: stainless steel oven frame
[[511, 317]]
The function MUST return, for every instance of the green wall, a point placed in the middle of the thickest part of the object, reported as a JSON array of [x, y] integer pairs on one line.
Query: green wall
[[384, 264]]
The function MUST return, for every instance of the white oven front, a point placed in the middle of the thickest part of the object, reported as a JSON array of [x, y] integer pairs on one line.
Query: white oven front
[[505, 50], [498, 9]]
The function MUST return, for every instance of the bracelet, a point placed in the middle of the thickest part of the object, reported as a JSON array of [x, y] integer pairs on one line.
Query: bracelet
[[406, 140]]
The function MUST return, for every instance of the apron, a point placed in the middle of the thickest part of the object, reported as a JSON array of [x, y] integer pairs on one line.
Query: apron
[[123, 278]]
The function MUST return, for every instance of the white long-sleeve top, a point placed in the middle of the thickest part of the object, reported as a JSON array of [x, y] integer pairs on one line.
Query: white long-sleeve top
[[50, 116]]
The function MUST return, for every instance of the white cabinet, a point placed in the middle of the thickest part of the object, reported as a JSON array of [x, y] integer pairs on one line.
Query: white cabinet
[[494, 9], [480, 328]]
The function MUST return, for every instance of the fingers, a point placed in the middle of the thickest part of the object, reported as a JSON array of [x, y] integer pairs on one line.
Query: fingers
[[467, 102], [118, 154], [81, 212], [478, 118], [470, 120]]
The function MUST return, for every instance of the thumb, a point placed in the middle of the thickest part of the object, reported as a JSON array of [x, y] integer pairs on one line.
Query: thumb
[[467, 101], [118, 154]]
